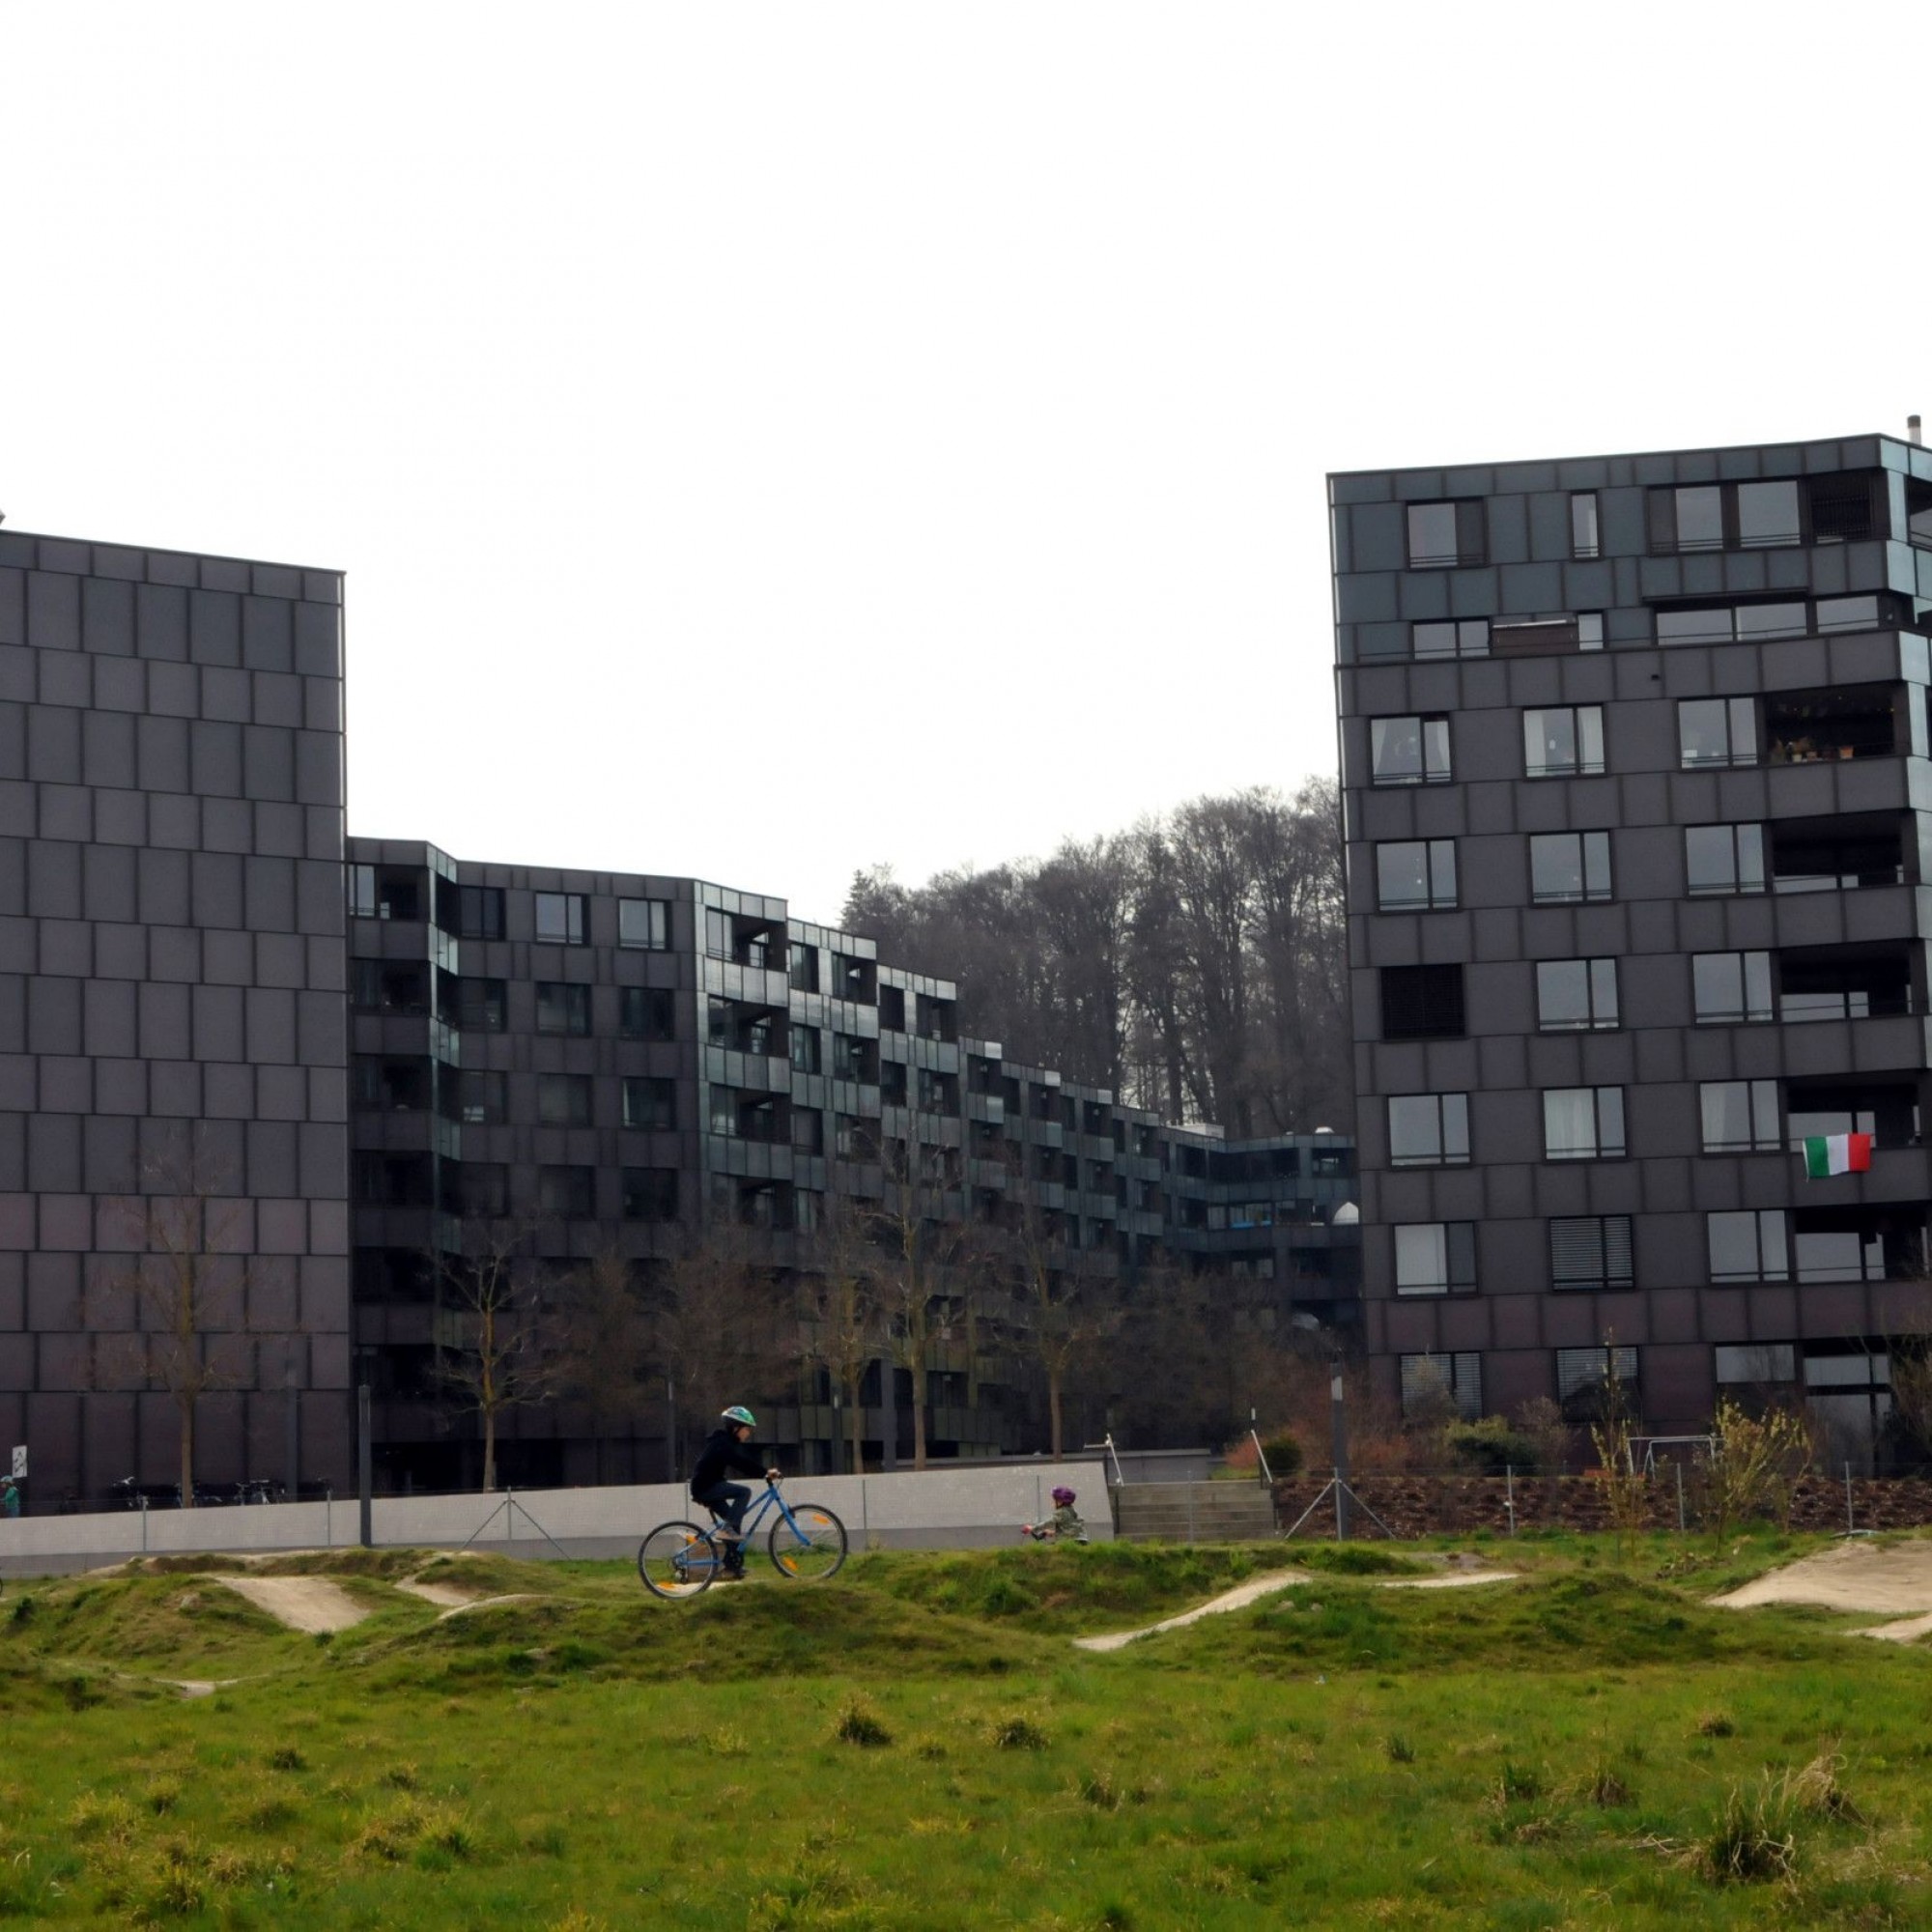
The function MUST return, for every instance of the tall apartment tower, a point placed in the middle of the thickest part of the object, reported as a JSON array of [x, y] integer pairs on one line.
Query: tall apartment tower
[[1639, 835], [172, 1015]]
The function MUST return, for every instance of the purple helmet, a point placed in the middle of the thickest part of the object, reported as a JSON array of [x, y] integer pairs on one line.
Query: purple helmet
[[1062, 1497]]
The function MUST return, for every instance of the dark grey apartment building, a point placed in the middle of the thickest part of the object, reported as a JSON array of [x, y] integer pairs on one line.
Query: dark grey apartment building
[[172, 1019], [319, 1065], [630, 1061], [1638, 815]]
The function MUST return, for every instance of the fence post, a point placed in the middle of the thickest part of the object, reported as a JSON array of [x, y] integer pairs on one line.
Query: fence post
[[1850, 1524], [1680, 1498], [1509, 1494]]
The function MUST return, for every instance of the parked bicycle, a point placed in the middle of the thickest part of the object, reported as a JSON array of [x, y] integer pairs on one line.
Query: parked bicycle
[[683, 1560]]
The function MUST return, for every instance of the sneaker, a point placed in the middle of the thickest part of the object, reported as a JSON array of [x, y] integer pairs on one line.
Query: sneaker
[[724, 1534]]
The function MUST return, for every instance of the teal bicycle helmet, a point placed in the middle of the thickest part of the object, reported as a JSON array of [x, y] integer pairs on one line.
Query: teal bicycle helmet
[[738, 1413]]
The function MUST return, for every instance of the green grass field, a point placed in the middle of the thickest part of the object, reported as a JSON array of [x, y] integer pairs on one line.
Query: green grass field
[[917, 1744]]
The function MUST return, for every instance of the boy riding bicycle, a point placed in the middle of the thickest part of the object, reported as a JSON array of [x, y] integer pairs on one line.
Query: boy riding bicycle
[[728, 1448]]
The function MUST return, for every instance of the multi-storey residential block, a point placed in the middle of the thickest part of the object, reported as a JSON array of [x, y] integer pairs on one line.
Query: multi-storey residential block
[[1635, 754], [171, 1010]]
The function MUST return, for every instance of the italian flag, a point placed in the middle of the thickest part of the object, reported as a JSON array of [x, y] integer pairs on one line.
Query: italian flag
[[1836, 1153]]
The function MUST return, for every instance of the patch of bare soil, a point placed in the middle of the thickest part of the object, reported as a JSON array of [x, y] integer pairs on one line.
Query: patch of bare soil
[[1854, 1576], [310, 1604], [464, 1607], [445, 1595]]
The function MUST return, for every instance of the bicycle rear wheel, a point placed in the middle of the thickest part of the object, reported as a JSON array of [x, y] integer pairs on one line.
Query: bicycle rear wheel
[[678, 1559], [814, 1549]]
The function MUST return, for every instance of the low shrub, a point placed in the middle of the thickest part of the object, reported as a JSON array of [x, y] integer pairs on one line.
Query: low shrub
[[1489, 1446]]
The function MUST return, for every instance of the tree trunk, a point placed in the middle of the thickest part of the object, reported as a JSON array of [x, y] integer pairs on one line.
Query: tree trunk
[[1053, 1392], [854, 1422], [187, 1456], [919, 1416], [489, 1449]]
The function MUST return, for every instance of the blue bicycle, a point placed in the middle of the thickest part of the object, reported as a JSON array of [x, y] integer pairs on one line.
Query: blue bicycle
[[684, 1559]]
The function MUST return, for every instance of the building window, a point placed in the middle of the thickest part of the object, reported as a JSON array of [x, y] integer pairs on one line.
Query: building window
[[807, 1131], [1563, 741], [474, 1189], [647, 1012], [562, 1008], [1740, 1116], [1723, 859], [803, 963], [644, 924], [650, 1104], [1429, 1130], [1721, 516], [1583, 539], [1730, 988], [363, 892], [1583, 1123], [1847, 614], [1569, 867], [563, 1099], [1408, 750], [1591, 1252], [1765, 1365], [649, 1193], [1732, 623], [476, 1098], [561, 918], [1576, 995], [470, 912], [808, 1050], [480, 1005], [567, 1193], [1465, 638], [1431, 1382], [1446, 534], [1592, 1383], [1716, 731], [1417, 875], [1436, 1258], [1748, 1246], [1767, 515], [1422, 1003]]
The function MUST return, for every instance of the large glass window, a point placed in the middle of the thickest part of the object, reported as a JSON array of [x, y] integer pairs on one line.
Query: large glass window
[[644, 924], [567, 1193], [1716, 731], [1583, 1123], [1723, 859], [1431, 1384], [1422, 1002], [363, 892], [650, 1104], [1700, 517], [647, 1012], [1464, 638], [562, 1008], [1730, 988], [475, 1097], [1768, 515], [1727, 623], [1442, 534], [1583, 540], [480, 1005], [1740, 1116], [1417, 875], [1429, 1130], [1748, 1246], [1408, 750], [649, 1193], [1593, 1383], [801, 963], [470, 912], [1563, 741], [1591, 1251], [1576, 995], [1569, 867], [563, 1099], [807, 1049], [1435, 1256], [562, 917]]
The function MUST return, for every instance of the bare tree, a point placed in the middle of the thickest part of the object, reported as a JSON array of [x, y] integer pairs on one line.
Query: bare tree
[[604, 1356], [723, 1330], [188, 1279], [491, 1357], [843, 1328], [922, 1282]]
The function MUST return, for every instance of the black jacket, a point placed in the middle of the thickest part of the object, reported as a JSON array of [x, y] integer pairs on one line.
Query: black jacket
[[724, 1451]]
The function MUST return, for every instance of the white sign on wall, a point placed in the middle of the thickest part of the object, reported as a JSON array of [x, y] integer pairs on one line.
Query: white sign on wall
[[20, 1461]]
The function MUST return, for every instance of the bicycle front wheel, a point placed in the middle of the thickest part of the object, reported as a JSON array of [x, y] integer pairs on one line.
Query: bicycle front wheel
[[678, 1559], [811, 1545]]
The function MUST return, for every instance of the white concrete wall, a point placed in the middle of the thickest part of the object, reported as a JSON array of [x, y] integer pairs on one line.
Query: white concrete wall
[[934, 1509]]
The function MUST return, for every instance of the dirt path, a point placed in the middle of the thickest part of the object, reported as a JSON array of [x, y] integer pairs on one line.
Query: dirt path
[[1244, 1594], [445, 1595], [303, 1603], [1854, 1576]]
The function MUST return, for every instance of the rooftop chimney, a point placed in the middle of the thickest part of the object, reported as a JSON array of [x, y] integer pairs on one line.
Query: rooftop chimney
[[1912, 429]]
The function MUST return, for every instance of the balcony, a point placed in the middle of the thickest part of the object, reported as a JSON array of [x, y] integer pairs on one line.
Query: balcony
[[1841, 854], [1844, 983], [1810, 727]]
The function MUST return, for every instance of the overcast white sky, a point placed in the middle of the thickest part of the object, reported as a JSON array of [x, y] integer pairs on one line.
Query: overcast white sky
[[764, 440]]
